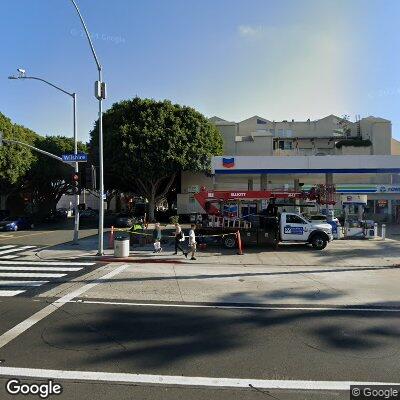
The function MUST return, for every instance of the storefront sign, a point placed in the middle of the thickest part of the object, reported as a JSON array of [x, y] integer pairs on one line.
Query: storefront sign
[[354, 199], [388, 189], [382, 203]]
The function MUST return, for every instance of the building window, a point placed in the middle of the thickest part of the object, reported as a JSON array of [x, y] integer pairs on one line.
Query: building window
[[288, 145], [272, 132], [261, 122], [250, 184]]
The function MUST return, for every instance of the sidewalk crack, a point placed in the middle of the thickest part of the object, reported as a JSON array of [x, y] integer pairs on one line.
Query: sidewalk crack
[[177, 283]]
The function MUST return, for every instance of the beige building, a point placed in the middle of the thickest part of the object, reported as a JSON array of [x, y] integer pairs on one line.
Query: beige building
[[331, 135]]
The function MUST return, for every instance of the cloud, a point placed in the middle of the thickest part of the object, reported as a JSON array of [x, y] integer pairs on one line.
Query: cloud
[[250, 31]]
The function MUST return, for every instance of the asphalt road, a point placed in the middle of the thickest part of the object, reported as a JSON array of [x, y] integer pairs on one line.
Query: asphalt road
[[242, 344], [45, 235]]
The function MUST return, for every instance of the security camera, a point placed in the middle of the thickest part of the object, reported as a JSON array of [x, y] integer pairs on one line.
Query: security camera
[[21, 72]]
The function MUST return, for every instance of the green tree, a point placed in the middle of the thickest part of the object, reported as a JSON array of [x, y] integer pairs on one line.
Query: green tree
[[15, 160], [49, 179], [147, 142]]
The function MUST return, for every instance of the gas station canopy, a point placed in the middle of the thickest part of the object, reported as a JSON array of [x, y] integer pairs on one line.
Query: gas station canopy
[[350, 164]]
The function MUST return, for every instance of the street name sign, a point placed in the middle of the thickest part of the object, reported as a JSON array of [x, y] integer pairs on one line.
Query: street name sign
[[81, 157]]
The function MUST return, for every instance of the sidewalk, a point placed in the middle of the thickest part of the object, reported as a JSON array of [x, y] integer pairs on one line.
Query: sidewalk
[[352, 272], [338, 253]]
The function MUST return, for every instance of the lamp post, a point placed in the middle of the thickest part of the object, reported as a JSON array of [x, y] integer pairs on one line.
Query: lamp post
[[22, 75], [100, 94]]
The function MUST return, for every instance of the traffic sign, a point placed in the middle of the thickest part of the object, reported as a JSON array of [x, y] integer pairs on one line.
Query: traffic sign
[[81, 157]]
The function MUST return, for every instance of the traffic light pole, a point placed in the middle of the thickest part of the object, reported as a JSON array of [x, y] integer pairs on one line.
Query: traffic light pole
[[46, 153], [76, 188]]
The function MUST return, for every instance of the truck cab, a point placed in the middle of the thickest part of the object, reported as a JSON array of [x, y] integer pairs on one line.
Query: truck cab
[[296, 228], [286, 227]]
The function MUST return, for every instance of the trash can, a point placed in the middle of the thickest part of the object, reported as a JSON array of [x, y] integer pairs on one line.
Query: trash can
[[121, 246]]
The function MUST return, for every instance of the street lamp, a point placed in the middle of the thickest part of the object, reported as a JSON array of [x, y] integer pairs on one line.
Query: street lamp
[[22, 75], [100, 94]]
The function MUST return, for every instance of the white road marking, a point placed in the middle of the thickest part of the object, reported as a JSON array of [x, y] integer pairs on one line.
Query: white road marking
[[43, 313], [8, 246], [10, 293], [261, 307], [22, 283], [9, 257], [238, 383], [46, 263], [29, 275], [56, 269], [16, 249]]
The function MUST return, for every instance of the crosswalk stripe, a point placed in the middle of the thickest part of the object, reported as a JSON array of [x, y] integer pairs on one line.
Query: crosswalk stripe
[[8, 246], [13, 250], [55, 269], [29, 275], [10, 293], [23, 283], [46, 263]]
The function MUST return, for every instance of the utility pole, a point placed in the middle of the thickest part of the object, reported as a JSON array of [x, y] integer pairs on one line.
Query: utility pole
[[100, 94]]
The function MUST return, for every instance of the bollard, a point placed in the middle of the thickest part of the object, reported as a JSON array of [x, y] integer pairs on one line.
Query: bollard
[[111, 239], [383, 231], [239, 240], [375, 229]]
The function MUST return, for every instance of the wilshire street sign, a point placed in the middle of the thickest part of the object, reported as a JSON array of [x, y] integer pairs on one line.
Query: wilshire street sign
[[81, 157]]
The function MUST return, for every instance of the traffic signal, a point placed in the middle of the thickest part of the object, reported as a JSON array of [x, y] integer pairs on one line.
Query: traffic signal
[[75, 177], [91, 177], [75, 182], [100, 90], [87, 177]]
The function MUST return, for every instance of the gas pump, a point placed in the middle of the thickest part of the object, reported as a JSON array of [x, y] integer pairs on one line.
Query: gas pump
[[355, 225]]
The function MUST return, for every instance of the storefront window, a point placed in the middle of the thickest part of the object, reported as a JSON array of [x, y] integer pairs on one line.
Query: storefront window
[[382, 207]]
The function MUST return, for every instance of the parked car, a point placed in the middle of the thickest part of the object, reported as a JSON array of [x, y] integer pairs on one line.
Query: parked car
[[124, 220], [15, 224], [4, 214], [88, 214], [62, 213], [56, 215]]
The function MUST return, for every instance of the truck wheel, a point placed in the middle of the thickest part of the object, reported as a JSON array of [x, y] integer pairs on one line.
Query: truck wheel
[[318, 242], [229, 241]]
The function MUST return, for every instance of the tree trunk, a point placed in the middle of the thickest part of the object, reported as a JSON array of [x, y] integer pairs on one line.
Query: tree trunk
[[152, 206], [118, 202]]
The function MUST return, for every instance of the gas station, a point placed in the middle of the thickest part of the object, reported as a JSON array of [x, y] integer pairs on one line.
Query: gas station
[[234, 172]]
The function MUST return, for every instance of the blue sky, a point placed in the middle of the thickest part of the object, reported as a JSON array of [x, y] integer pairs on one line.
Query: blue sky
[[280, 59]]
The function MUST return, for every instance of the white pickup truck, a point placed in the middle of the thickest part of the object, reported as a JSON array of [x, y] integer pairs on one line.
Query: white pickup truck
[[286, 227], [296, 228]]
